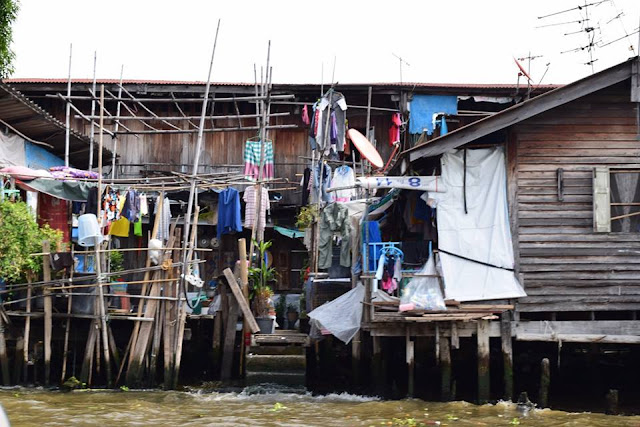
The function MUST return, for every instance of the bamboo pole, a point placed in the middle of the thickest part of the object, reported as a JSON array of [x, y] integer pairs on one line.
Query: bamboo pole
[[209, 130], [183, 100], [48, 309], [117, 125], [93, 111], [185, 117], [244, 285], [65, 351], [27, 330], [68, 113], [98, 263], [263, 138]]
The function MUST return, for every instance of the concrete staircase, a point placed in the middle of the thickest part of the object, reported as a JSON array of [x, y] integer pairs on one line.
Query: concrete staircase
[[278, 358]]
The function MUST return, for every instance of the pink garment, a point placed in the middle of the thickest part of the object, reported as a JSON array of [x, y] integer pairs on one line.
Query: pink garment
[[305, 115], [394, 130]]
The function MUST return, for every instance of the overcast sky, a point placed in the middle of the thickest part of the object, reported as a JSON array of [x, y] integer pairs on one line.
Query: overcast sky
[[450, 41]]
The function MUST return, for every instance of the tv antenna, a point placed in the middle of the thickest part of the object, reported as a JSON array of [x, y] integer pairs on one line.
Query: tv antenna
[[579, 7], [401, 61]]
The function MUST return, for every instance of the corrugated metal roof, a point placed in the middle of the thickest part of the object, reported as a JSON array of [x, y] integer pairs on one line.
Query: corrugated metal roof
[[34, 122], [186, 82]]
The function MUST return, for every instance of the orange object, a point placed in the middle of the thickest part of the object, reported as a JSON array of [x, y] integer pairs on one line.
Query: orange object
[[366, 148], [522, 71]]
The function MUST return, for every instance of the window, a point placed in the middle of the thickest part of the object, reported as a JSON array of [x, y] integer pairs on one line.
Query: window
[[616, 200]]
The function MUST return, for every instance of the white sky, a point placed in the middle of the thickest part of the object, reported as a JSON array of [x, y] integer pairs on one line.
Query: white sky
[[451, 41]]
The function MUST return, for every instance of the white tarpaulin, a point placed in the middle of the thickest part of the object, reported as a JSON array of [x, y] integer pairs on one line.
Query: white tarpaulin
[[482, 234], [342, 316], [12, 150], [419, 183]]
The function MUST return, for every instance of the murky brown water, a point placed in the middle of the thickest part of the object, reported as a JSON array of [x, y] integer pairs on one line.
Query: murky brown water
[[29, 407]]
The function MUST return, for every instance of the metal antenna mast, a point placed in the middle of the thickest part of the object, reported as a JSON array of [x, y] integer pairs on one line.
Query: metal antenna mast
[[401, 61]]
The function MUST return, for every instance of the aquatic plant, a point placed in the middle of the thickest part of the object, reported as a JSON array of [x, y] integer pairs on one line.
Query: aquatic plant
[[278, 407]]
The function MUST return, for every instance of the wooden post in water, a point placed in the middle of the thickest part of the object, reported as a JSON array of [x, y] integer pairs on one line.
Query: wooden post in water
[[229, 339], [356, 355], [27, 331], [545, 380], [376, 364], [48, 312], [87, 363], [484, 383], [507, 354], [17, 360], [244, 286], [445, 368], [4, 359], [410, 363]]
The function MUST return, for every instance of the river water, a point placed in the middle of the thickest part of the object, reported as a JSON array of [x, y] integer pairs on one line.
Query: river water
[[33, 407]]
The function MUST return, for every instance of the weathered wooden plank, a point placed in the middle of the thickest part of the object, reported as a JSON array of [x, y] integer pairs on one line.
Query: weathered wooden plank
[[554, 230], [547, 190], [555, 221], [593, 275], [573, 152], [581, 244], [581, 338], [561, 160], [594, 268], [585, 291], [584, 283], [579, 136], [584, 237], [561, 305], [599, 327], [527, 146], [611, 299], [555, 214], [525, 129], [529, 198], [244, 306]]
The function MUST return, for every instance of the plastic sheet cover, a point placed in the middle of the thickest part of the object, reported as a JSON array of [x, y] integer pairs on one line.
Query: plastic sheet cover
[[482, 234], [342, 316]]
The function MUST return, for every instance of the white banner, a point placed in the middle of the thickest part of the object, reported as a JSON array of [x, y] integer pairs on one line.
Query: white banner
[[419, 183]]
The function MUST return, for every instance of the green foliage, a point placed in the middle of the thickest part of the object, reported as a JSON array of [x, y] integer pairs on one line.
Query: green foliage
[[291, 308], [21, 237], [8, 14], [281, 305], [259, 278], [116, 261], [306, 216]]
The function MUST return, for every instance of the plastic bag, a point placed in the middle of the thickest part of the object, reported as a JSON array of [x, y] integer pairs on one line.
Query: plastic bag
[[342, 316], [423, 293]]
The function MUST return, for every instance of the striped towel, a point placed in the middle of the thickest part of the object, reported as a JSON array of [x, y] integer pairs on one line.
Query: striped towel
[[252, 153]]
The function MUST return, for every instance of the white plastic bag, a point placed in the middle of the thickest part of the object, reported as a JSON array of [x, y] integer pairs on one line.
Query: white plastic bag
[[342, 316], [423, 293]]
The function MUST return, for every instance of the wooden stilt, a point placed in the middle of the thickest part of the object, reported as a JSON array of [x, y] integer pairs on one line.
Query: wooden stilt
[[229, 339], [376, 365], [181, 321], [612, 402], [4, 359], [27, 331], [445, 368], [410, 363], [356, 355], [483, 362], [545, 380], [65, 351], [48, 311], [112, 346], [507, 355], [155, 347], [455, 339], [17, 360], [244, 286], [87, 362]]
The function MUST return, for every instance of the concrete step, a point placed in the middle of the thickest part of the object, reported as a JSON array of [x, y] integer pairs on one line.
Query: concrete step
[[283, 350], [276, 363]]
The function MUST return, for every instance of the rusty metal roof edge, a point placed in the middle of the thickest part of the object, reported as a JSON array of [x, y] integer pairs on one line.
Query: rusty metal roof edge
[[460, 133], [13, 92]]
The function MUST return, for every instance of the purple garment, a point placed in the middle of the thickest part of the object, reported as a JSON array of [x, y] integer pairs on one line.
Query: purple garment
[[334, 128]]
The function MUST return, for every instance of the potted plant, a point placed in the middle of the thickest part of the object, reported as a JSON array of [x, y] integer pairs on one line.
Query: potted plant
[[281, 306], [292, 315], [259, 278], [117, 285]]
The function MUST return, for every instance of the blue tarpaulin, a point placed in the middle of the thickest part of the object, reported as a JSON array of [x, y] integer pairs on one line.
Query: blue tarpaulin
[[39, 158], [423, 107]]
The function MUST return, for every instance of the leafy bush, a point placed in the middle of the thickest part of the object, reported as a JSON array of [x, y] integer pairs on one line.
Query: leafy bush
[[20, 237]]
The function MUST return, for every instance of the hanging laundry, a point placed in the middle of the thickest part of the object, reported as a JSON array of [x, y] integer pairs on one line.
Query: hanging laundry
[[110, 205], [144, 205], [165, 219], [330, 117], [306, 176], [120, 227], [343, 176], [252, 154], [334, 220], [305, 115], [394, 130], [320, 188], [229, 220], [131, 207], [251, 198]]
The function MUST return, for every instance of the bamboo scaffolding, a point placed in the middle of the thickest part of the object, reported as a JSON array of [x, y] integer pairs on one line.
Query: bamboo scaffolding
[[181, 111], [117, 125], [210, 130], [67, 130], [93, 111], [180, 118], [184, 100]]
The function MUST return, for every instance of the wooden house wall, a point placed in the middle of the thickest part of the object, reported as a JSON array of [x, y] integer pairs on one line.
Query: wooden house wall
[[566, 265]]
